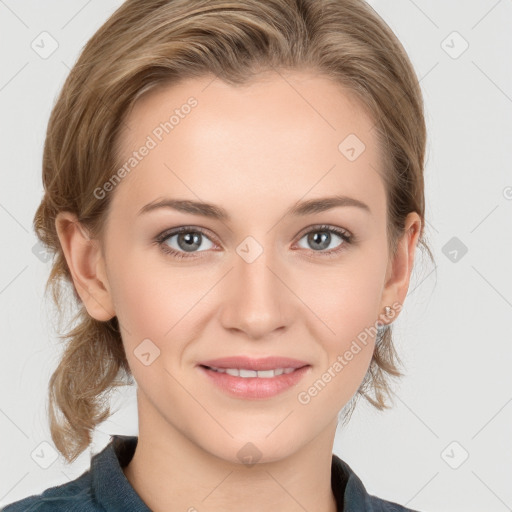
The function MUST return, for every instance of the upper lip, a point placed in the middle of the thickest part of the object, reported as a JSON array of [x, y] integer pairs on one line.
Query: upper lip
[[249, 363]]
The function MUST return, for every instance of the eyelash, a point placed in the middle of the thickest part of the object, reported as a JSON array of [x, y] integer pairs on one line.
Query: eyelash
[[163, 237]]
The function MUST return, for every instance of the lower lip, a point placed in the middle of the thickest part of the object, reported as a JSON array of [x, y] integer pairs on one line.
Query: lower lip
[[255, 387]]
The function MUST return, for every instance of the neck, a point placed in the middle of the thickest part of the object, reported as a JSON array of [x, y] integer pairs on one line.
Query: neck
[[171, 472]]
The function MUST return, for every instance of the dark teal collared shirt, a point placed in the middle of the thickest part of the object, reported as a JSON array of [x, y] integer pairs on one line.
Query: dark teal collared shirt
[[105, 488]]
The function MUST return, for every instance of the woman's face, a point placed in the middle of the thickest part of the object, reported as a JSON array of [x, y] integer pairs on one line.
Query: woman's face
[[259, 273]]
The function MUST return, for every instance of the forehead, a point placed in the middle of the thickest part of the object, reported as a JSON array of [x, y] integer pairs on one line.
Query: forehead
[[279, 137]]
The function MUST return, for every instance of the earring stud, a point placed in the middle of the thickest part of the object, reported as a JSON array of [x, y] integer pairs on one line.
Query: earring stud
[[388, 312]]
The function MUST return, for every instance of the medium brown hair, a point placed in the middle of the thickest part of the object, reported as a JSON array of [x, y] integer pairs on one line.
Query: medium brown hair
[[152, 43]]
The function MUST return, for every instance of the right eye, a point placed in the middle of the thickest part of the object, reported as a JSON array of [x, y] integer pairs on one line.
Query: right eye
[[186, 240]]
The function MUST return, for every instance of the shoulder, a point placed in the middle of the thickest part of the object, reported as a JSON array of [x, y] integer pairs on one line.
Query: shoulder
[[349, 490], [381, 505], [74, 496], [102, 487]]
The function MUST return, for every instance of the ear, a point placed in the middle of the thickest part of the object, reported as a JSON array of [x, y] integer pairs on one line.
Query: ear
[[87, 266], [400, 267]]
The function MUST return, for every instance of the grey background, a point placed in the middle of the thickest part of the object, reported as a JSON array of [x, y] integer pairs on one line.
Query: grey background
[[454, 334]]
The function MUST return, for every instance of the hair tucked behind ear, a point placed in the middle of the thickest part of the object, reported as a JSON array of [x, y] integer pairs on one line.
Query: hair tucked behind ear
[[150, 43]]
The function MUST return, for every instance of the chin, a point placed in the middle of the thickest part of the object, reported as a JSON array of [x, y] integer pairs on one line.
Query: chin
[[257, 449]]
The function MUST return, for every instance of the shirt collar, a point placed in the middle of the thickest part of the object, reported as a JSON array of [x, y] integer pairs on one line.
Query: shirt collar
[[348, 488], [115, 493], [111, 487]]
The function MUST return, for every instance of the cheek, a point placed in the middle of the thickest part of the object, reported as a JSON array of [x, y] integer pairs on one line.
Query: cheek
[[347, 306], [156, 302], [346, 300], [149, 296]]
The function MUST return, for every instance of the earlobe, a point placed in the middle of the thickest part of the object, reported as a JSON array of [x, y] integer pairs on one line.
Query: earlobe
[[85, 262]]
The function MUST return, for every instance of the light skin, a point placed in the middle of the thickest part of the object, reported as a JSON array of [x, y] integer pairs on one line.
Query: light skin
[[255, 151]]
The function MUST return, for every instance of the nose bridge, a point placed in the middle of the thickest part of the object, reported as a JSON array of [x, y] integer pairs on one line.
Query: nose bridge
[[255, 302]]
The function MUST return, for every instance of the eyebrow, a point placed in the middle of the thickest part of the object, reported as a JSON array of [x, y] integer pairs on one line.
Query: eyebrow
[[301, 208]]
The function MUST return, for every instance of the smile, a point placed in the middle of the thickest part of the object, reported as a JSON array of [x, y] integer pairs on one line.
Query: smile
[[241, 372], [254, 384]]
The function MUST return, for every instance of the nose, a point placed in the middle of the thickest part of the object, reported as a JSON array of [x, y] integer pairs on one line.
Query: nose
[[255, 299]]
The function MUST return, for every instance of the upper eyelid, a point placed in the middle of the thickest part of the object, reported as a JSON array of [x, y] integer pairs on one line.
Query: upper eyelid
[[324, 227], [168, 233]]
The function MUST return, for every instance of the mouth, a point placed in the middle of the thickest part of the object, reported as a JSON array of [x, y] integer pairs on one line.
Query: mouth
[[246, 373], [254, 378]]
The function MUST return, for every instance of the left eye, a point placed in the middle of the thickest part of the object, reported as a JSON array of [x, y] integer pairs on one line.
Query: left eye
[[320, 238]]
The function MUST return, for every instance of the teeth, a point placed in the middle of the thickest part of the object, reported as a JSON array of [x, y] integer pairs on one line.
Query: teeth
[[247, 373], [235, 372]]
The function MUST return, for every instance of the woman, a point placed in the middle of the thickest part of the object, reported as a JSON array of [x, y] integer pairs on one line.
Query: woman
[[234, 192]]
